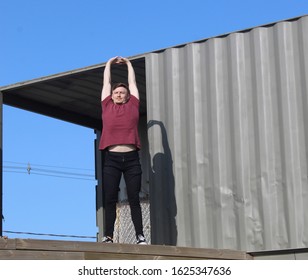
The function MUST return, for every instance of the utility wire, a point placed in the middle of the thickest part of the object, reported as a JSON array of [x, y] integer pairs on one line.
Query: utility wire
[[52, 166], [56, 176], [14, 171], [31, 169], [67, 177], [60, 172], [49, 234], [48, 171]]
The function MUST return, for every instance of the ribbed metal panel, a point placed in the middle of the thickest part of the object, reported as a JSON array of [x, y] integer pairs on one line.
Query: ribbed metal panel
[[228, 140]]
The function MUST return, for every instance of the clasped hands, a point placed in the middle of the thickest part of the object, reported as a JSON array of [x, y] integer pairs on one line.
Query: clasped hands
[[119, 60]]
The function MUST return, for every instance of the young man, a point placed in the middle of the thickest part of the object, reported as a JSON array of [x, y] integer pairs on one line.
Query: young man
[[120, 140]]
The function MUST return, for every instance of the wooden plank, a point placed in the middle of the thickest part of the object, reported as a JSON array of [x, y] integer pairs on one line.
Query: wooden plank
[[39, 255], [6, 244], [155, 250], [55, 245], [124, 256]]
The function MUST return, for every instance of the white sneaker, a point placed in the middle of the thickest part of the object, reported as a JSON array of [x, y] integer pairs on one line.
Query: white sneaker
[[141, 240], [107, 239]]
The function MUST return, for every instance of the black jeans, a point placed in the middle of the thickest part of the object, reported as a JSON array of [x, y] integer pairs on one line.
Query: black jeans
[[115, 165]]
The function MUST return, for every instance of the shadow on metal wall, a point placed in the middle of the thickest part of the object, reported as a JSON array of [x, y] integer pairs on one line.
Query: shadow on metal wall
[[163, 207]]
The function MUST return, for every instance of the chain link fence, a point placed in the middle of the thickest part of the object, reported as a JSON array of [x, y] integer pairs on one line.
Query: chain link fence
[[124, 231]]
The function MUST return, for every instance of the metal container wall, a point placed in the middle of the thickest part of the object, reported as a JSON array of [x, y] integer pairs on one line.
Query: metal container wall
[[228, 139]]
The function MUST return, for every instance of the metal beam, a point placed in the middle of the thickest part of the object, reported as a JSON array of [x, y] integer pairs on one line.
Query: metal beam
[[1, 164]]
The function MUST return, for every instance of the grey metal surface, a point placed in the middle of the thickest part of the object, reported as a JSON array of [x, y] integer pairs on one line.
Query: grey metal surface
[[235, 111]]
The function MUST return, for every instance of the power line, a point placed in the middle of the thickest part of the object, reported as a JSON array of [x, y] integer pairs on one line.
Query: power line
[[67, 177], [19, 172], [56, 176], [52, 166], [57, 172], [29, 170], [49, 234], [60, 172]]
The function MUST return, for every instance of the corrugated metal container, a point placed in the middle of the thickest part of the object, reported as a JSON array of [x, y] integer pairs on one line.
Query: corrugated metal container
[[228, 137]]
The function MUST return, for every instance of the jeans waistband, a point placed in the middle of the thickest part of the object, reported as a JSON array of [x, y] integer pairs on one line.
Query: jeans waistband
[[122, 153]]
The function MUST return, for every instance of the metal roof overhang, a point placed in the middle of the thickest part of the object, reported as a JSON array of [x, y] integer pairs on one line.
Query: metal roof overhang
[[72, 96]]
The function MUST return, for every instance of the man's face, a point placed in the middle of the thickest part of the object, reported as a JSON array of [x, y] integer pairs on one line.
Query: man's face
[[119, 95]]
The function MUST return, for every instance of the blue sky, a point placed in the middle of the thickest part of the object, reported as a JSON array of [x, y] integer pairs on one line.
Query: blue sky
[[41, 38]]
